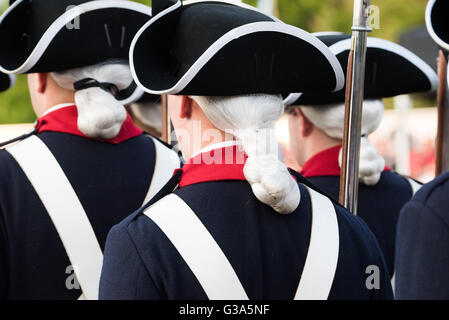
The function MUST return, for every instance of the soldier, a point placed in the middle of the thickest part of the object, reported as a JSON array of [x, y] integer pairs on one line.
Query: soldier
[[234, 223], [86, 166], [316, 124], [422, 255], [6, 81]]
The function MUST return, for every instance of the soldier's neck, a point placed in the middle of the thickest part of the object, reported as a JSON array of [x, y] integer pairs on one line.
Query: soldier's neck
[[53, 98], [318, 142]]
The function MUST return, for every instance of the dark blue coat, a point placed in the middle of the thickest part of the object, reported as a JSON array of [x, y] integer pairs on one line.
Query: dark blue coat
[[378, 205], [267, 250], [110, 180], [422, 245]]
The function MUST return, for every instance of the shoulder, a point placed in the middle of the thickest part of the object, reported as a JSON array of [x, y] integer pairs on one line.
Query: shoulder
[[139, 224], [5, 157], [350, 226], [8, 165], [394, 178], [391, 180], [430, 202], [123, 238], [355, 233], [434, 189], [353, 223], [123, 226], [139, 235]]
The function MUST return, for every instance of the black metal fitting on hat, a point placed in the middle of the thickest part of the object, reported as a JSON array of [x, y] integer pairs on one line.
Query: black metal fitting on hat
[[92, 83]]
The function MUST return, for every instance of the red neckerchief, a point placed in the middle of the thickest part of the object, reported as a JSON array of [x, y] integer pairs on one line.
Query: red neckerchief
[[324, 163], [221, 164], [66, 120], [215, 165]]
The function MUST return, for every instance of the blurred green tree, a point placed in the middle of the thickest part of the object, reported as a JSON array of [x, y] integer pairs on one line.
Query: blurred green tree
[[396, 16]]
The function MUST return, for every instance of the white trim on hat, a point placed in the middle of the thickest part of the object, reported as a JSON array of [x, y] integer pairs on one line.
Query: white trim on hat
[[62, 21], [345, 45], [327, 33], [291, 98], [386, 45], [429, 26], [136, 95], [265, 26], [12, 80], [136, 37], [11, 8]]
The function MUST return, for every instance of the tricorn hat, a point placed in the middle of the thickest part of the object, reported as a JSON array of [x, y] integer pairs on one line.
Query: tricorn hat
[[223, 48], [149, 98], [390, 70], [6, 81], [56, 35], [437, 22]]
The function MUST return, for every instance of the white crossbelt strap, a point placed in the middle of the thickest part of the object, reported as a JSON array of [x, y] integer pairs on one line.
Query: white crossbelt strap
[[166, 162], [214, 271], [198, 249], [414, 185], [322, 257], [65, 210]]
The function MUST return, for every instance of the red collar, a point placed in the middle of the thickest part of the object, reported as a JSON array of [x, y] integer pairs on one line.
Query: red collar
[[65, 120], [324, 163], [215, 165]]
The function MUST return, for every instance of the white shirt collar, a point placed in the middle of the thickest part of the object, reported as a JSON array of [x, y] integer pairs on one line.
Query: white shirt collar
[[57, 107], [214, 146]]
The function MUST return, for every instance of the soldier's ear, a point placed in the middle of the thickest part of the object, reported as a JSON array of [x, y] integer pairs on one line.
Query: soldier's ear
[[306, 125], [186, 107], [42, 82], [296, 111]]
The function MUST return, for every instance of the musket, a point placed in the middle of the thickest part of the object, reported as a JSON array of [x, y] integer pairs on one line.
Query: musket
[[442, 141], [166, 124], [355, 82]]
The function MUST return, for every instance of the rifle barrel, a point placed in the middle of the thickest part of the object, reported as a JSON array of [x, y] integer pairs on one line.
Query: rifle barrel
[[349, 180]]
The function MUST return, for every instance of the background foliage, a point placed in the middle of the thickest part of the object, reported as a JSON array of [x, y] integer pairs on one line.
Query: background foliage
[[396, 16]]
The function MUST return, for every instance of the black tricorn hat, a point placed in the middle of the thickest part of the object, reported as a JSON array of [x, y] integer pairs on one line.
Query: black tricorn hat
[[6, 81], [390, 70], [437, 23], [56, 35], [147, 98], [220, 48]]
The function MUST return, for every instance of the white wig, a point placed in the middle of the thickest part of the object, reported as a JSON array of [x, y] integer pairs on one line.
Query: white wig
[[100, 115], [330, 119], [247, 117]]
